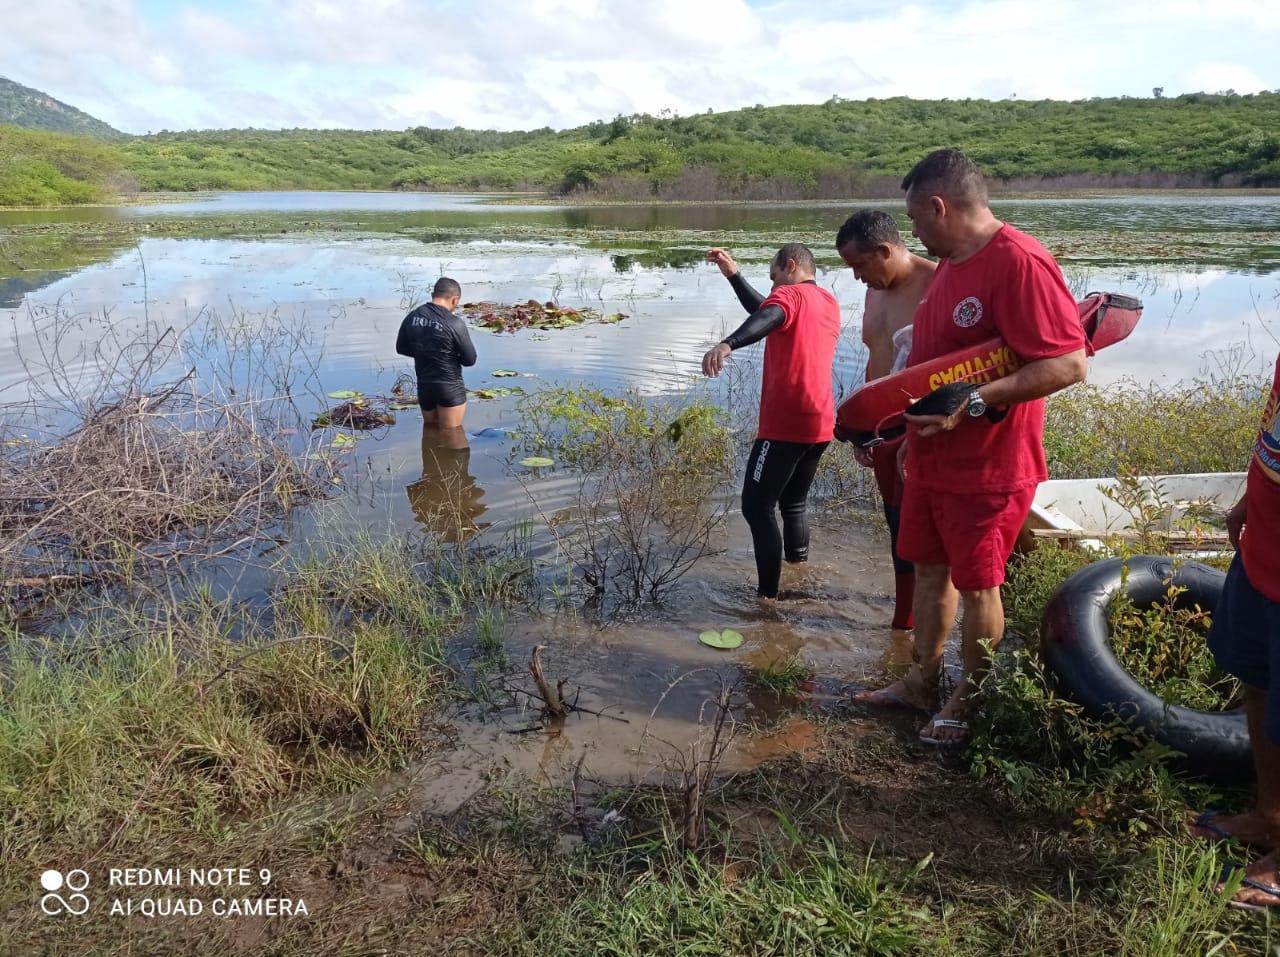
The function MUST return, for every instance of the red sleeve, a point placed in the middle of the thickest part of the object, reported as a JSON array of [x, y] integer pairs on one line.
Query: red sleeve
[[1040, 319], [788, 300]]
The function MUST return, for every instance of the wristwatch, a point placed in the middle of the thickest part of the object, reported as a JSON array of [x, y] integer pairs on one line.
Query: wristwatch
[[976, 407]]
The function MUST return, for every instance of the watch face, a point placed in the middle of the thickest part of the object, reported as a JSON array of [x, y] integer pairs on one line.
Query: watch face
[[976, 406]]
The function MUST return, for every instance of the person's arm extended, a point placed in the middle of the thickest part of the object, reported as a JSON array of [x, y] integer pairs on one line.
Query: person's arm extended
[[747, 295], [758, 325], [466, 349]]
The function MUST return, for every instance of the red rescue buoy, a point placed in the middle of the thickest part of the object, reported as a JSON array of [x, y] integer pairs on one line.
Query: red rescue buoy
[[873, 412]]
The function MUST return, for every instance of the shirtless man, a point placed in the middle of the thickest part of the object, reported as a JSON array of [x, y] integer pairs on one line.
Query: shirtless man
[[870, 245]]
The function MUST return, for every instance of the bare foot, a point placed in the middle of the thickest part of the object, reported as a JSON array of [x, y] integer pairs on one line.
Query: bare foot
[[1250, 827], [910, 692], [1259, 891]]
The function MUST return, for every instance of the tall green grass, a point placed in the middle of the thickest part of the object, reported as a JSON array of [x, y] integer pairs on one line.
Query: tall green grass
[[144, 726], [825, 899]]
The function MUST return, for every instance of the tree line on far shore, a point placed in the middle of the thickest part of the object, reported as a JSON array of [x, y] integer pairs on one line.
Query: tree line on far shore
[[838, 149]]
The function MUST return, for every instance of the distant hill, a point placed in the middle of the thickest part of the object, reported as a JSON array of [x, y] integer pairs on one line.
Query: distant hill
[[840, 149], [57, 169], [22, 106]]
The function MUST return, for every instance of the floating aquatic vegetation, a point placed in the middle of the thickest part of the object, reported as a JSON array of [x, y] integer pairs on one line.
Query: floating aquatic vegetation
[[356, 414], [537, 462], [499, 392], [346, 394], [497, 317], [725, 640], [504, 374]]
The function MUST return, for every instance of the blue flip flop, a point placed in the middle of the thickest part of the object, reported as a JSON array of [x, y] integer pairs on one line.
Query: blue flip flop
[[1205, 822], [1270, 890]]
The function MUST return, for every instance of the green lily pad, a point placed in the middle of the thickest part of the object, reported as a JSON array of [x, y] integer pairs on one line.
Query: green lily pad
[[500, 392], [537, 462], [343, 441], [504, 373], [346, 394], [401, 406], [721, 639]]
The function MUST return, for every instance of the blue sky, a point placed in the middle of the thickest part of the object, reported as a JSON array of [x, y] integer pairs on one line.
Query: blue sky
[[515, 64]]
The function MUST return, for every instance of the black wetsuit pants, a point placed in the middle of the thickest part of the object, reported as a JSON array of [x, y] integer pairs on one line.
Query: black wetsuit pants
[[778, 477]]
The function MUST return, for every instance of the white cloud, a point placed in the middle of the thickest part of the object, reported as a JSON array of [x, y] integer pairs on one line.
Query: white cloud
[[1213, 77], [527, 63]]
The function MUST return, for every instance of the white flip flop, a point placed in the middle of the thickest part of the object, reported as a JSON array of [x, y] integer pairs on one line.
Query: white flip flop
[[956, 742]]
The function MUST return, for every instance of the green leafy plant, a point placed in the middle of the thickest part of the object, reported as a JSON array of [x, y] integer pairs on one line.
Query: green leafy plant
[[651, 480]]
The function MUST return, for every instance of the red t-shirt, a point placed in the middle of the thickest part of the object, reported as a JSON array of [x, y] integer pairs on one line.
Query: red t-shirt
[[796, 400], [1260, 545], [1011, 288]]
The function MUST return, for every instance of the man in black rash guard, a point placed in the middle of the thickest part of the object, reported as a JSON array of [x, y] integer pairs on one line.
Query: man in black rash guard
[[440, 346], [800, 323]]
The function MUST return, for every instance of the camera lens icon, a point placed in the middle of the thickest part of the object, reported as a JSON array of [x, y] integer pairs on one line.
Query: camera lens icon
[[54, 903]]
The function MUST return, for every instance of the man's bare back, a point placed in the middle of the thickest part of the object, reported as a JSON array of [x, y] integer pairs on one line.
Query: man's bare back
[[888, 310]]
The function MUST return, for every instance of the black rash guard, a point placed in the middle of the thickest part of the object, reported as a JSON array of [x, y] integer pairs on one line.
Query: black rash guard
[[760, 323], [747, 295], [438, 342]]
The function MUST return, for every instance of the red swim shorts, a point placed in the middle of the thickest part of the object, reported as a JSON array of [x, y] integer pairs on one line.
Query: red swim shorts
[[974, 534]]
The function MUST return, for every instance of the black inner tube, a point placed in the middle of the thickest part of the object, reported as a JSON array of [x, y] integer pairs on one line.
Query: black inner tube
[[1075, 643]]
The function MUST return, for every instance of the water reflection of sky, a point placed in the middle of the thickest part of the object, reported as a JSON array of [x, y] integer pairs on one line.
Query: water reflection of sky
[[354, 292], [351, 291]]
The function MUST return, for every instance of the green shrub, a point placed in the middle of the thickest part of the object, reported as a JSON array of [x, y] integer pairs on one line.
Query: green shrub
[[651, 485], [1208, 425]]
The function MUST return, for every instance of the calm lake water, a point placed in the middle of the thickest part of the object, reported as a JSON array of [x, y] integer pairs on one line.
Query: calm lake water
[[347, 266]]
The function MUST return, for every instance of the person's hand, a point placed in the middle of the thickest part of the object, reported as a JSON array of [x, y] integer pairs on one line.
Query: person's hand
[[902, 461], [713, 361], [862, 456], [722, 259], [1235, 523], [928, 425]]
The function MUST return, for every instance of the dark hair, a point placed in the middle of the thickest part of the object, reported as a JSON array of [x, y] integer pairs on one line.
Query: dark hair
[[949, 174], [868, 229], [445, 288], [800, 253]]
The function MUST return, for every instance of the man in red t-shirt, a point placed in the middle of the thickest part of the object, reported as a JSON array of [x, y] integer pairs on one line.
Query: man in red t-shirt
[[1245, 640], [970, 476], [801, 321]]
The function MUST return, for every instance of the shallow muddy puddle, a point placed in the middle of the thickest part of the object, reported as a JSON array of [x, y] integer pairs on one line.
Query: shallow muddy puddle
[[655, 687]]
